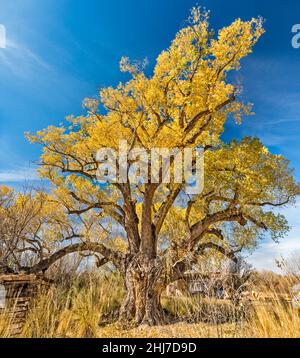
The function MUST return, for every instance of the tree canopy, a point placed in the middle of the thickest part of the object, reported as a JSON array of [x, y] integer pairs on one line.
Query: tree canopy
[[184, 103]]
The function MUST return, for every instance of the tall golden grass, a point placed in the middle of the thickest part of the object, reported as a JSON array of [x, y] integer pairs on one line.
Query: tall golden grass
[[88, 307]]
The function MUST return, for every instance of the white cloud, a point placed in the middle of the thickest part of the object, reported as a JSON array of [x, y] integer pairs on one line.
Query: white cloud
[[16, 176], [21, 60], [270, 139], [264, 257], [2, 36]]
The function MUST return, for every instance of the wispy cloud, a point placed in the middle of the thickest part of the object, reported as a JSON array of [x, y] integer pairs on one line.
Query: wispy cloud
[[21, 60], [17, 176], [272, 139], [283, 120]]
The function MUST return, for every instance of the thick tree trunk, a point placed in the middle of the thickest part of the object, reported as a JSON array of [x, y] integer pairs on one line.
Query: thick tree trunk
[[143, 289]]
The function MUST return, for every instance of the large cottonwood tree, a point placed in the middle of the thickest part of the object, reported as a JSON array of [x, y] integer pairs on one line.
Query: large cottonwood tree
[[184, 103]]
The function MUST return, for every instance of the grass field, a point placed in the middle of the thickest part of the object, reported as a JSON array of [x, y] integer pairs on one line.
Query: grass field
[[88, 307]]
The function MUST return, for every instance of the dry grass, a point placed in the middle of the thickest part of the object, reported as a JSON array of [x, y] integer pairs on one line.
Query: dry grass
[[88, 307], [72, 311]]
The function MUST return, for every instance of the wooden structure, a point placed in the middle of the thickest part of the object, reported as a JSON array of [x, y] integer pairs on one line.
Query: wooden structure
[[212, 284], [16, 293], [209, 284]]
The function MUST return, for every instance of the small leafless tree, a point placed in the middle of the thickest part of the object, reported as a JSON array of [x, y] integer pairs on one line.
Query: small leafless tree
[[36, 232], [238, 279]]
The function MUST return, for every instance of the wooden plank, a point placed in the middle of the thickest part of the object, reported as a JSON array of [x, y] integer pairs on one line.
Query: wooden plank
[[14, 310], [18, 299], [20, 277], [13, 316], [20, 291]]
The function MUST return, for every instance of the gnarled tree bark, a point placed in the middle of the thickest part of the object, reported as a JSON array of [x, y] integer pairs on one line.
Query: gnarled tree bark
[[143, 290]]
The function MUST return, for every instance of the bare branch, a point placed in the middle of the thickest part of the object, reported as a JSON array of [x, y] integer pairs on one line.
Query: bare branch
[[110, 255]]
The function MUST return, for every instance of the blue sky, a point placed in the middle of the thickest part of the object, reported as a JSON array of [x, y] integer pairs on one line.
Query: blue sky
[[61, 51]]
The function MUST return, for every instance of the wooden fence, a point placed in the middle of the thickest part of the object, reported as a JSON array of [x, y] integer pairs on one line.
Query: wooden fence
[[16, 294]]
